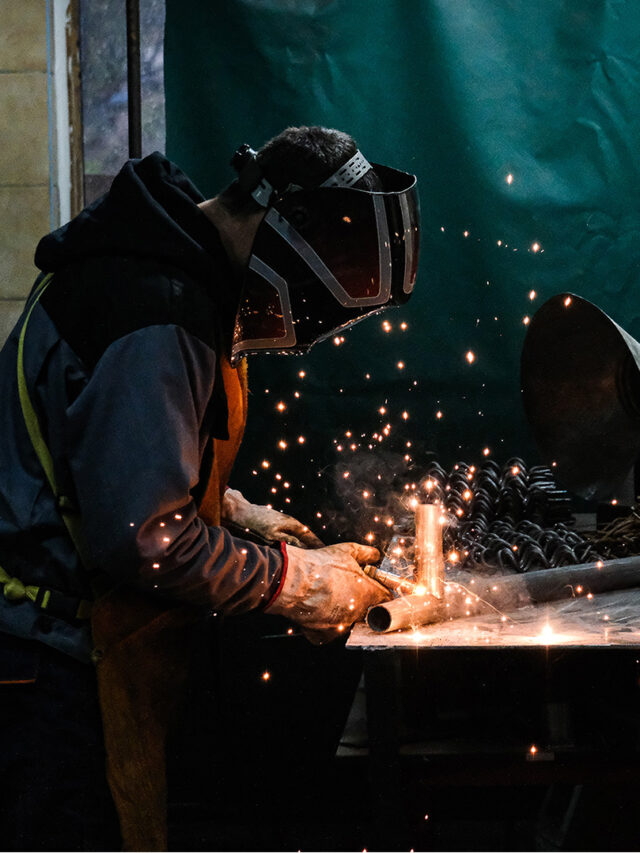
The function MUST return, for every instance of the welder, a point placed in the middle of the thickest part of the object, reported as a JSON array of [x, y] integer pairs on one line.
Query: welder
[[124, 396]]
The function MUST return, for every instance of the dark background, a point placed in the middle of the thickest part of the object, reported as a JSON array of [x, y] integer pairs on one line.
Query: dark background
[[464, 94]]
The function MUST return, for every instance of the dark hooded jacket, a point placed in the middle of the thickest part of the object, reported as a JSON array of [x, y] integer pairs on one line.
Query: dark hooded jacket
[[121, 362]]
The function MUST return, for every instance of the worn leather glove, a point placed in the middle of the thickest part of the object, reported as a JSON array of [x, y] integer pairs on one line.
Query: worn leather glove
[[268, 523], [325, 591]]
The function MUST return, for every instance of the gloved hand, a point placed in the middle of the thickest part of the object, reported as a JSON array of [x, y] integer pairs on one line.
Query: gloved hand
[[268, 523], [325, 591]]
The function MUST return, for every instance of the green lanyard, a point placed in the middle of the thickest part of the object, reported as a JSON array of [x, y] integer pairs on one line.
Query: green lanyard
[[13, 588]]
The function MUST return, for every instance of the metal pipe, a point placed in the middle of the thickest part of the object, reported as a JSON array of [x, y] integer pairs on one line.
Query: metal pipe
[[134, 89], [505, 593], [553, 584], [404, 612], [429, 559]]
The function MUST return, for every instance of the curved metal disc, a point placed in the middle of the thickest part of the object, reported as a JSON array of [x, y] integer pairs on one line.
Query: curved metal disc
[[581, 394]]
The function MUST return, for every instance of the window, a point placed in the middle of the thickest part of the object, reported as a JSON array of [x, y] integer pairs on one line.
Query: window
[[103, 63]]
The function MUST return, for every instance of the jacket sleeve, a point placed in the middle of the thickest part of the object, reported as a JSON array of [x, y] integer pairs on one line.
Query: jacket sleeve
[[135, 439]]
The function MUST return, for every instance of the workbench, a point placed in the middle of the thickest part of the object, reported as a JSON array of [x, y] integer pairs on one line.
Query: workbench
[[548, 696]]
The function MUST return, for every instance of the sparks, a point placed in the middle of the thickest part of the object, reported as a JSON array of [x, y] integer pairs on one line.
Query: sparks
[[302, 374], [547, 632], [281, 407], [438, 414], [509, 179], [266, 675], [265, 463], [486, 451], [386, 326], [301, 439], [535, 247], [405, 416], [470, 356], [532, 295], [526, 320], [400, 365], [567, 301]]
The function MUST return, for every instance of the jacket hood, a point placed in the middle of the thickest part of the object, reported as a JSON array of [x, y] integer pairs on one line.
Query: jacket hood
[[149, 212]]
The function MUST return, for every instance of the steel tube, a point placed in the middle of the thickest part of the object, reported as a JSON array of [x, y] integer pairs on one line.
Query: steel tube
[[429, 559], [405, 612], [505, 593], [553, 584]]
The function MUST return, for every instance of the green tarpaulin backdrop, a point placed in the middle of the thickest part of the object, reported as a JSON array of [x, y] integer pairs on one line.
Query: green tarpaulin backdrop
[[522, 122]]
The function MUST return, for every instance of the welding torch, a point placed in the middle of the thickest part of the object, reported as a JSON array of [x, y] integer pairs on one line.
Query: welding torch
[[390, 580]]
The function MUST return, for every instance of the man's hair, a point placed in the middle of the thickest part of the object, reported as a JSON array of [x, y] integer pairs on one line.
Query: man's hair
[[305, 156]]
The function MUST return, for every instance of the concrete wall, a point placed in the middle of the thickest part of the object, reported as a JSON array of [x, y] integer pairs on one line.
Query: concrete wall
[[28, 193]]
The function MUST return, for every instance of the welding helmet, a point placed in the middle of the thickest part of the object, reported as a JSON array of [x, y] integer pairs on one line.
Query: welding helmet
[[326, 257]]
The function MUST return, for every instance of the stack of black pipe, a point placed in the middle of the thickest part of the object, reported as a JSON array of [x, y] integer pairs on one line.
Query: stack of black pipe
[[510, 518]]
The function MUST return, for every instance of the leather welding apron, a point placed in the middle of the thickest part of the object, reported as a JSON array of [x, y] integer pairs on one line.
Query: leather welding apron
[[142, 656]]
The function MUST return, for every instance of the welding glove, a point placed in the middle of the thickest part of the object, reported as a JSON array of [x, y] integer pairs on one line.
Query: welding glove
[[325, 591], [269, 523]]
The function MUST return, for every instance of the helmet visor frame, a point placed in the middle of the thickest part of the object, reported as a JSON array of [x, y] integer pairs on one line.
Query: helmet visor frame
[[341, 252]]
